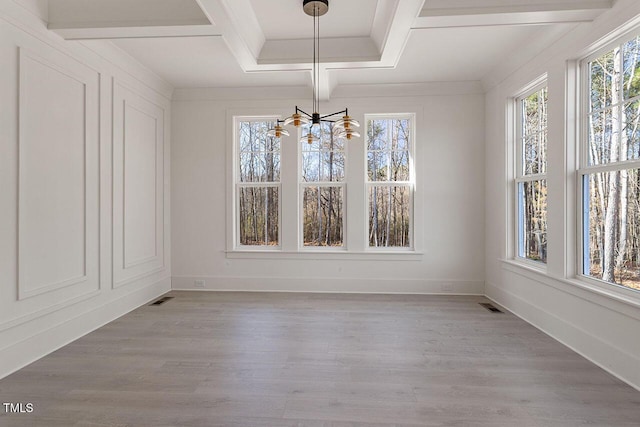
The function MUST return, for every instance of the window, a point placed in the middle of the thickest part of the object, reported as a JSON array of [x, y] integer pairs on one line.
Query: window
[[290, 198], [323, 188], [531, 175], [610, 165], [257, 183], [390, 180]]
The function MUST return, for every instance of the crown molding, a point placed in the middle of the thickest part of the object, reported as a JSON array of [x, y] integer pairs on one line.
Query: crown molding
[[341, 91]]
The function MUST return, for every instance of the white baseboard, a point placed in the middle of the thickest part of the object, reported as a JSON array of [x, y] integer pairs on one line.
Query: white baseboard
[[332, 285], [617, 362], [27, 351]]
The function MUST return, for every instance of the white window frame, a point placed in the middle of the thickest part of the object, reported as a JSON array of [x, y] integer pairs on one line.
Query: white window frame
[[411, 183], [237, 184], [519, 176], [584, 169], [301, 186]]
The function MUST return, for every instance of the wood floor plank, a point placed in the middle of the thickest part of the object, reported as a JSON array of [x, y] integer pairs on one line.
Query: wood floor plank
[[319, 360]]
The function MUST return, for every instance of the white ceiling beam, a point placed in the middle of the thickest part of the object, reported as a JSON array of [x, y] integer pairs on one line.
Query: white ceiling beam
[[477, 7], [382, 20], [113, 33], [244, 21], [327, 84], [528, 18], [244, 40], [398, 33], [463, 13]]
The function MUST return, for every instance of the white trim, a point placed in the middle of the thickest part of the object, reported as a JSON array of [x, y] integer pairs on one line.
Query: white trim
[[336, 285], [123, 95], [530, 178], [538, 266], [547, 322], [393, 90], [88, 87], [533, 86], [48, 310], [384, 254], [572, 239], [608, 43], [15, 14], [19, 354], [610, 167], [609, 298]]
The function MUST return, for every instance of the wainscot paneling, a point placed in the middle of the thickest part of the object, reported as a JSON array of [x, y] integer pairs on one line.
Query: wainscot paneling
[[60, 213], [58, 180], [138, 186]]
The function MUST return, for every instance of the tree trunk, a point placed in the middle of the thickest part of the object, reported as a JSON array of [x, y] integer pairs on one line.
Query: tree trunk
[[375, 215], [329, 239], [388, 224], [613, 195]]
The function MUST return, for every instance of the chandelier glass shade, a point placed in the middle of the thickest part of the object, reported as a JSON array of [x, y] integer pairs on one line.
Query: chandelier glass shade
[[343, 127], [347, 133], [278, 131]]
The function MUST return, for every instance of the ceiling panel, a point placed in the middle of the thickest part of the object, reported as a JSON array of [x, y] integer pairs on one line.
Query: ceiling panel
[[447, 54], [285, 19], [202, 62], [121, 13]]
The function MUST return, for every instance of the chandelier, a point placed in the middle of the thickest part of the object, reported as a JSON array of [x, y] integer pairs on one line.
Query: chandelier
[[343, 127]]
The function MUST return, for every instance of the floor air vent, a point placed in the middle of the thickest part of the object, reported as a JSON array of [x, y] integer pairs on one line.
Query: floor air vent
[[161, 301], [492, 308]]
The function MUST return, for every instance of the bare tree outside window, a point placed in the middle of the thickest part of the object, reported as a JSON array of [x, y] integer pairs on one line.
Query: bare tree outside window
[[531, 183], [389, 181], [257, 183], [323, 192], [610, 177]]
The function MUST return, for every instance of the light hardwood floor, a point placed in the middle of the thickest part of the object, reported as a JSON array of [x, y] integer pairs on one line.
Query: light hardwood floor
[[274, 359]]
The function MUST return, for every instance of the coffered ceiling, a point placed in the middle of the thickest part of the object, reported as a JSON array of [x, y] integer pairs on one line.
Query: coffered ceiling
[[248, 43]]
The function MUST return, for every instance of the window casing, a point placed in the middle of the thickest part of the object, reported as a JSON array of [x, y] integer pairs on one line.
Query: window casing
[[609, 171], [390, 180], [322, 189], [297, 208], [257, 183], [531, 174]]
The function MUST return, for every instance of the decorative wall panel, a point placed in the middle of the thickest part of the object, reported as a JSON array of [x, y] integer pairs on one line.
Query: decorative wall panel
[[138, 186], [58, 174]]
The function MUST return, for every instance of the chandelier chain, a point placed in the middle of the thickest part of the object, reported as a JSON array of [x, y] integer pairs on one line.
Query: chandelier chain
[[315, 17], [318, 67]]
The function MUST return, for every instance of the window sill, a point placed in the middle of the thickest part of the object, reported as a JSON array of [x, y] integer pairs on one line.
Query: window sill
[[317, 254], [619, 299], [538, 267]]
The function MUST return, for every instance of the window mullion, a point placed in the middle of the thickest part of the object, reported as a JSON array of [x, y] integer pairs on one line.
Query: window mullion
[[531, 178]]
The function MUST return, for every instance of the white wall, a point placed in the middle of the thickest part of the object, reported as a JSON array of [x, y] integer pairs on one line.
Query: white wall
[[597, 321], [84, 167], [449, 202]]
